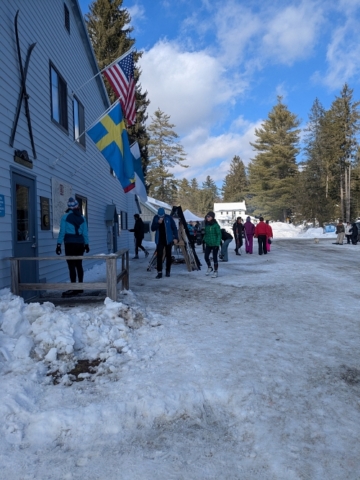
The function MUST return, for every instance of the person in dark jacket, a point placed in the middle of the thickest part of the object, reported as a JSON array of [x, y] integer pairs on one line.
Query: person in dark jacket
[[212, 239], [166, 234], [138, 236], [354, 234], [226, 239], [74, 234], [261, 232], [238, 229]]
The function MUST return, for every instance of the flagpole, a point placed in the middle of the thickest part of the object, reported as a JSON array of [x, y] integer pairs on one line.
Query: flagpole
[[88, 128], [103, 70]]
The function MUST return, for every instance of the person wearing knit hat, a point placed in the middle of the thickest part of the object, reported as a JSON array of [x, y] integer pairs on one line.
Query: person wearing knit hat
[[212, 239], [72, 203], [166, 234], [249, 231], [74, 233], [139, 233]]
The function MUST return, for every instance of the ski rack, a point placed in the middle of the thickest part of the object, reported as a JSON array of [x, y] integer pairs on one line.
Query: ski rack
[[187, 249]]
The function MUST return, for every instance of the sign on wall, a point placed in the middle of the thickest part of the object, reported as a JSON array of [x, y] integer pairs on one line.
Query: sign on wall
[[61, 191], [45, 213]]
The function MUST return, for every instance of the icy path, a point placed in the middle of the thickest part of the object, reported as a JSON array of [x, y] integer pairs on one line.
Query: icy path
[[254, 375]]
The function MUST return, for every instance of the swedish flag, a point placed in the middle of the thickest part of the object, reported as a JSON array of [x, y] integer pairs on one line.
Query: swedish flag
[[111, 138]]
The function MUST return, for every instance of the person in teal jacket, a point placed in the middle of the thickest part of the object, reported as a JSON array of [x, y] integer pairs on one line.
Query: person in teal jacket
[[212, 239], [74, 234]]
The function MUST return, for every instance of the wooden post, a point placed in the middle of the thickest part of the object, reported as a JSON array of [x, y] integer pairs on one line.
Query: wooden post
[[127, 279], [14, 266], [111, 278]]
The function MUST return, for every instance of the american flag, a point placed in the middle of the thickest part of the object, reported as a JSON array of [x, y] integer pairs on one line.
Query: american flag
[[121, 77]]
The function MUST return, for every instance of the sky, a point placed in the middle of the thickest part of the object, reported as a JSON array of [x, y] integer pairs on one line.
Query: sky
[[252, 375], [217, 67]]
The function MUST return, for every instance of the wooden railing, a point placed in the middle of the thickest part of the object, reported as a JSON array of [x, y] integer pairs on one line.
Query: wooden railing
[[112, 277]]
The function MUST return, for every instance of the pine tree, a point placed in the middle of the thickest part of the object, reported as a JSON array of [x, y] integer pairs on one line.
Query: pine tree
[[109, 31], [195, 198], [184, 194], [340, 128], [235, 183], [164, 152], [313, 202], [273, 170], [208, 195]]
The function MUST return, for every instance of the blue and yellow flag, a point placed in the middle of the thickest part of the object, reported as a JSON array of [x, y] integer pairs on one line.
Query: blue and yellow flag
[[111, 138]]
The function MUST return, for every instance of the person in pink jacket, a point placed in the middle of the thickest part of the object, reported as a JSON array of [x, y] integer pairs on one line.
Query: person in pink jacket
[[249, 229], [269, 235]]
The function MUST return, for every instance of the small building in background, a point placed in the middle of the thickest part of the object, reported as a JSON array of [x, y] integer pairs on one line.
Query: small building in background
[[226, 213]]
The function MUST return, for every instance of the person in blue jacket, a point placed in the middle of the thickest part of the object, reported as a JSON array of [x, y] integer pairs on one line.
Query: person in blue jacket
[[74, 234], [166, 234]]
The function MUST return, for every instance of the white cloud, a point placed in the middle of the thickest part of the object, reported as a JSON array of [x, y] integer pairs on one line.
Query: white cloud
[[188, 86], [211, 155], [343, 56], [291, 33], [236, 26], [137, 12]]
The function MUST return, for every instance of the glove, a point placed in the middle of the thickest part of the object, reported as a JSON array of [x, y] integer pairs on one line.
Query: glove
[[86, 248], [58, 249]]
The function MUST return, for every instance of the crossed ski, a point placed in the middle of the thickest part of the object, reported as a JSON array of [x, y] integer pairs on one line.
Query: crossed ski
[[23, 93]]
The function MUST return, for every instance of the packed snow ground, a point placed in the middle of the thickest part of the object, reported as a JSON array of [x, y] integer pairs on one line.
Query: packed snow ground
[[253, 375]]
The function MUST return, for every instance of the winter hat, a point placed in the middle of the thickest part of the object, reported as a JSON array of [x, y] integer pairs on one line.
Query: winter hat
[[72, 203], [210, 214], [136, 215], [248, 219], [161, 212]]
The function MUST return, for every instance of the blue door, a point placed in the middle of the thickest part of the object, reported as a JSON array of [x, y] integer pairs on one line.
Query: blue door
[[24, 228]]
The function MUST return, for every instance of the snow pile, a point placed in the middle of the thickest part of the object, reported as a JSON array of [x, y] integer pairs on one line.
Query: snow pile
[[288, 230], [49, 340]]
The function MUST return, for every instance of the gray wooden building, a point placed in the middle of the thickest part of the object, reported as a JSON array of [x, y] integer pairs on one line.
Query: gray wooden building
[[41, 163]]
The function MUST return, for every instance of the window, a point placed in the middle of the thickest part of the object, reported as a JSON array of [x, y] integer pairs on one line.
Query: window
[[58, 90], [83, 206], [124, 221], [79, 122], [67, 18]]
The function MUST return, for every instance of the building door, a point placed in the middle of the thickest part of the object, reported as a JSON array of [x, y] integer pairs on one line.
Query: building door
[[24, 228]]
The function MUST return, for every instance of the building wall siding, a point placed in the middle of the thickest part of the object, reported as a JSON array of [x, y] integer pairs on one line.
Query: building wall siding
[[42, 21]]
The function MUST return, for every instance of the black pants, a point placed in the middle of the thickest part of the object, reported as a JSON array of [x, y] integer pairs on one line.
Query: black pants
[[215, 251], [262, 239], [348, 238], [159, 256], [138, 242], [238, 244], [75, 266]]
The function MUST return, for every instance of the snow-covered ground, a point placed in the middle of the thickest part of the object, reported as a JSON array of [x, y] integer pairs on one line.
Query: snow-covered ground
[[253, 375]]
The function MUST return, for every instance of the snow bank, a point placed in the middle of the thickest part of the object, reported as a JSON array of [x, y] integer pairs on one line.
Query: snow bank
[[45, 339], [286, 230]]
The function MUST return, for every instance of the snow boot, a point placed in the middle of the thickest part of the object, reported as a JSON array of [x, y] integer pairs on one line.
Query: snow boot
[[215, 274], [69, 293], [146, 253], [159, 275], [167, 273], [136, 257], [209, 270]]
